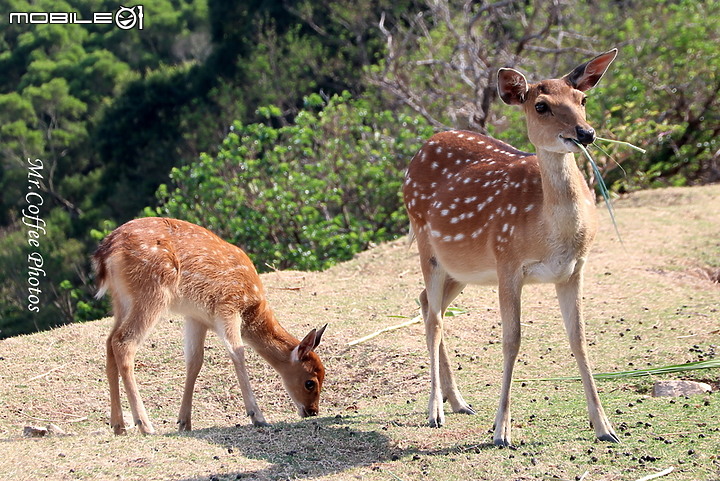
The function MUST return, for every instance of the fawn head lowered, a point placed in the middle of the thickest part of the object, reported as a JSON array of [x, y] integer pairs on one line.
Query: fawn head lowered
[[304, 376]]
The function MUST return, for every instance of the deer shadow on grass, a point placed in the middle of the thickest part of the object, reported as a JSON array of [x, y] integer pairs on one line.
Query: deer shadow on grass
[[295, 450]]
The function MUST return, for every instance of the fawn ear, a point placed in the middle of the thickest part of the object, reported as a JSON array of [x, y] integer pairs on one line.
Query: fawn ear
[[309, 343], [512, 86], [586, 76]]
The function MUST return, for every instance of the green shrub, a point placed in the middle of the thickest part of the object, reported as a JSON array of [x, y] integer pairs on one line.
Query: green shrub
[[305, 195]]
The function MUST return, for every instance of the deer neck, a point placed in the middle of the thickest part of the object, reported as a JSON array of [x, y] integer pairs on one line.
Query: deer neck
[[266, 336], [568, 206]]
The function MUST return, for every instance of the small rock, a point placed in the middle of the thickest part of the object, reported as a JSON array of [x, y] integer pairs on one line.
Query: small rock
[[679, 388], [38, 432], [34, 432]]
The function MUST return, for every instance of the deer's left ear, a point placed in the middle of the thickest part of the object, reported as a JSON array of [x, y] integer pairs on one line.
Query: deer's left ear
[[586, 76], [309, 343]]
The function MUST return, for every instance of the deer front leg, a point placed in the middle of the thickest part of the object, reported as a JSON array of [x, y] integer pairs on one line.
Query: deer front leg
[[509, 290], [195, 333], [570, 297], [237, 354]]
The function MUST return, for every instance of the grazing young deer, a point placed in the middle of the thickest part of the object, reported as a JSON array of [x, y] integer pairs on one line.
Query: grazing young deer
[[486, 213], [152, 266]]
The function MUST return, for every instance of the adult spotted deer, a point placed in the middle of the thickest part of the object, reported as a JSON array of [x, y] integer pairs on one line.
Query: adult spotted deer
[[152, 266], [486, 213]]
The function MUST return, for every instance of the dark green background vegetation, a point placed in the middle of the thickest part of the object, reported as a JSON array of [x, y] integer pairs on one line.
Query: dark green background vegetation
[[285, 126]]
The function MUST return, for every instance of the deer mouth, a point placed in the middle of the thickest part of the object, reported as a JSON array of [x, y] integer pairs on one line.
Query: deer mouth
[[307, 412], [569, 143]]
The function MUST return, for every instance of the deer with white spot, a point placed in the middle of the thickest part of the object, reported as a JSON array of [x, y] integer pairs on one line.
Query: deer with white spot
[[154, 266], [484, 212]]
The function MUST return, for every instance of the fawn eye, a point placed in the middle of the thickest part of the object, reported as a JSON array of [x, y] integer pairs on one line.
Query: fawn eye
[[542, 108], [309, 385], [583, 101]]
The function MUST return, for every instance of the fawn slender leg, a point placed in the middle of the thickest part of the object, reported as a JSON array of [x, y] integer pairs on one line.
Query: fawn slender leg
[[195, 333], [510, 290], [125, 339], [236, 348], [113, 376], [570, 297]]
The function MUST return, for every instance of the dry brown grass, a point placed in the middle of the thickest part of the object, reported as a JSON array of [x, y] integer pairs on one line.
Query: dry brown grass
[[644, 307]]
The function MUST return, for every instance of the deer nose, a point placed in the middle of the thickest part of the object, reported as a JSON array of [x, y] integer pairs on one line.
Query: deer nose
[[308, 411], [585, 136]]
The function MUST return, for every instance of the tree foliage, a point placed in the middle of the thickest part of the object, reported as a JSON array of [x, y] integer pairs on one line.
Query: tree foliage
[[661, 93], [115, 114]]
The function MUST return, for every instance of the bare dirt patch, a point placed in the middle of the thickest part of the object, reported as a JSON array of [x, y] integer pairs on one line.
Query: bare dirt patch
[[642, 309]]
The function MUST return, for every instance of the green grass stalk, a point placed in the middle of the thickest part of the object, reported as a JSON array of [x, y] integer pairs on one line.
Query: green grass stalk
[[689, 366]]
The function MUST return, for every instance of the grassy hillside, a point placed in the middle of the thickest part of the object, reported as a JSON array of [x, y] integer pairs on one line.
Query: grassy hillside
[[650, 303]]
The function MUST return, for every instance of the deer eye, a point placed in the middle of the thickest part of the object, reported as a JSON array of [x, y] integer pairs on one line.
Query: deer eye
[[309, 385], [542, 108], [583, 101]]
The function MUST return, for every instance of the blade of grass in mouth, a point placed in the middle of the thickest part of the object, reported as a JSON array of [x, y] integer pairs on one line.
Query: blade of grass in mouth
[[627, 144], [603, 188]]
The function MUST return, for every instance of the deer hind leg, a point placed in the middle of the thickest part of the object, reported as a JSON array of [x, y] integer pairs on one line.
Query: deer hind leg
[[233, 341], [194, 338], [113, 376], [123, 342], [117, 422], [447, 379], [439, 291], [570, 297], [510, 290]]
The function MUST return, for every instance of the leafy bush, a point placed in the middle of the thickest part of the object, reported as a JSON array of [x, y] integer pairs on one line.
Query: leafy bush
[[304, 195]]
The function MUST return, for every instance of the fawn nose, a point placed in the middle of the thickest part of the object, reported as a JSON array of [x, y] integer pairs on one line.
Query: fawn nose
[[585, 136]]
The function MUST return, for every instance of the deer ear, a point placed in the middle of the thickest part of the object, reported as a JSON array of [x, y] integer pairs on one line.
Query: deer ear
[[586, 76], [512, 86], [309, 343]]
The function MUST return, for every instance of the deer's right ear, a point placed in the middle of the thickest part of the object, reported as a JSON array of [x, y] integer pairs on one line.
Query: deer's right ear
[[512, 86]]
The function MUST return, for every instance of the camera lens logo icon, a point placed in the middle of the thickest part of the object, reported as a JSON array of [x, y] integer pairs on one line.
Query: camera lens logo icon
[[129, 17]]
